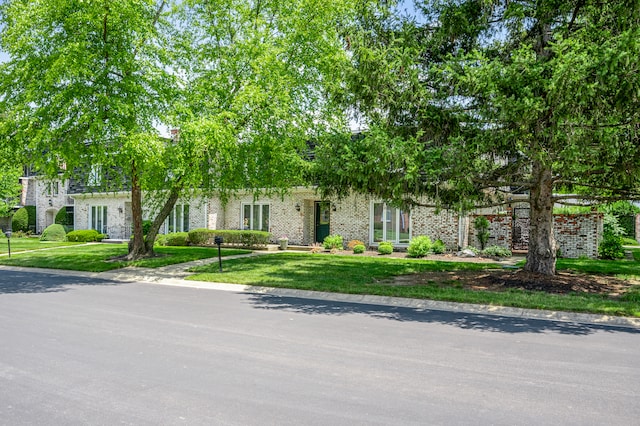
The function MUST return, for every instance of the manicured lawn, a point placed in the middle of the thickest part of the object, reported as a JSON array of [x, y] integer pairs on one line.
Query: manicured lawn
[[23, 244], [374, 275], [96, 257], [618, 268]]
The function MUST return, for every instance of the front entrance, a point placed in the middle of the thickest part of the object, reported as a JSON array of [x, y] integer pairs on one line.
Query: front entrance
[[323, 216]]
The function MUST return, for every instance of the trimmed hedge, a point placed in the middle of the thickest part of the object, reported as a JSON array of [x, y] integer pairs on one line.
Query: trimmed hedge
[[85, 236], [385, 247], [250, 239], [20, 220], [173, 239], [53, 232]]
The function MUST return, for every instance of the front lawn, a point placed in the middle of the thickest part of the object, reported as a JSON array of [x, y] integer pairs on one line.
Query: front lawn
[[24, 244], [96, 257], [424, 279]]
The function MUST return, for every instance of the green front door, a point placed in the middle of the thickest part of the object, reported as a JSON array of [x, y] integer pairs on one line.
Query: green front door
[[323, 215]]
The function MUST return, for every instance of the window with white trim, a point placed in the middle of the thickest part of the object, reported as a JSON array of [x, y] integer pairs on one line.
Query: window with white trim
[[98, 218], [95, 175], [178, 219], [389, 224], [255, 217], [53, 189]]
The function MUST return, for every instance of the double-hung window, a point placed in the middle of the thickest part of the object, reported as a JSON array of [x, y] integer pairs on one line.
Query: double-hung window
[[98, 218], [178, 219], [255, 217], [390, 224]]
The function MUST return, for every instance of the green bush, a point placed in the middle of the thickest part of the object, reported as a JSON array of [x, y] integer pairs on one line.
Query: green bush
[[611, 245], [83, 235], [146, 225], [496, 251], [53, 232], [354, 243], [248, 239], [419, 246], [64, 219], [438, 247], [481, 224], [629, 242], [358, 249], [177, 239], [385, 247], [20, 220], [333, 242]]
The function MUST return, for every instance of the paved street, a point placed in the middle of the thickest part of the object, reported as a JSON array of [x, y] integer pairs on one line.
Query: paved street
[[79, 351]]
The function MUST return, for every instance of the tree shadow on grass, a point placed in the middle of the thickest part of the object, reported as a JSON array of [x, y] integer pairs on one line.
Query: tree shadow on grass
[[14, 282], [469, 321]]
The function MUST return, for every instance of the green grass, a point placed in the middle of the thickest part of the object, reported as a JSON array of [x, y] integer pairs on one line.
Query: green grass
[[96, 257], [618, 268], [24, 244], [373, 275]]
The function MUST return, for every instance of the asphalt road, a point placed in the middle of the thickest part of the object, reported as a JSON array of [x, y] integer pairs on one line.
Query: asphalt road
[[75, 351]]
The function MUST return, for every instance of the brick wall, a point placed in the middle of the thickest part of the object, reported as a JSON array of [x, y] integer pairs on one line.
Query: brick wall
[[437, 226], [500, 230], [638, 228], [47, 204], [578, 235]]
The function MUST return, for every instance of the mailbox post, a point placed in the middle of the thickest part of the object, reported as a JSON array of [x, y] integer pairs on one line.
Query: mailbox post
[[8, 234], [218, 240]]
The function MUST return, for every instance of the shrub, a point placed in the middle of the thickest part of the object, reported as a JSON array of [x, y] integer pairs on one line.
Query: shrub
[[358, 249], [611, 245], [83, 235], [175, 239], [419, 246], [481, 224], [354, 243], [146, 225], [245, 238], [496, 251], [21, 234], [20, 220], [31, 210], [62, 218], [332, 242], [53, 232], [316, 248], [629, 242], [438, 247], [385, 247]]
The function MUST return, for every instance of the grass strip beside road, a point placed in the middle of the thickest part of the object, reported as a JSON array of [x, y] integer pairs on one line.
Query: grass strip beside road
[[375, 275], [97, 257]]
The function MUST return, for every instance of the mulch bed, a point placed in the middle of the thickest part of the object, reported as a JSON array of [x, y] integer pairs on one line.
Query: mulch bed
[[502, 280]]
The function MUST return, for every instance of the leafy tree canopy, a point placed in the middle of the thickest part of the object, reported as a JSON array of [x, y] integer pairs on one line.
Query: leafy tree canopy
[[469, 100]]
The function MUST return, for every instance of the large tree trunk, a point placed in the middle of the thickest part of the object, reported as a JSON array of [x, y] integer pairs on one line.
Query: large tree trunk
[[137, 247], [541, 257]]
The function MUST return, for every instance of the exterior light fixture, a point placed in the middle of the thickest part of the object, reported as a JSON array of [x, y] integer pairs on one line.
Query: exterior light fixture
[[298, 207], [333, 207]]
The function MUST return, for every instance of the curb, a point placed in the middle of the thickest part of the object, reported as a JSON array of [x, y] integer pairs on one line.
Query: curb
[[130, 275]]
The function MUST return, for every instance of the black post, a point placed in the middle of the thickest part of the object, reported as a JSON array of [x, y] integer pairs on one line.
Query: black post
[[218, 241], [9, 232]]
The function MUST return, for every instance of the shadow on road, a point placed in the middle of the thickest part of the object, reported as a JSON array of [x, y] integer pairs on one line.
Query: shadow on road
[[480, 322], [28, 283]]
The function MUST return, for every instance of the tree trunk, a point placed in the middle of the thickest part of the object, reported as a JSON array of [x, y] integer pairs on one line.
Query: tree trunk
[[137, 247], [174, 194], [541, 257]]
